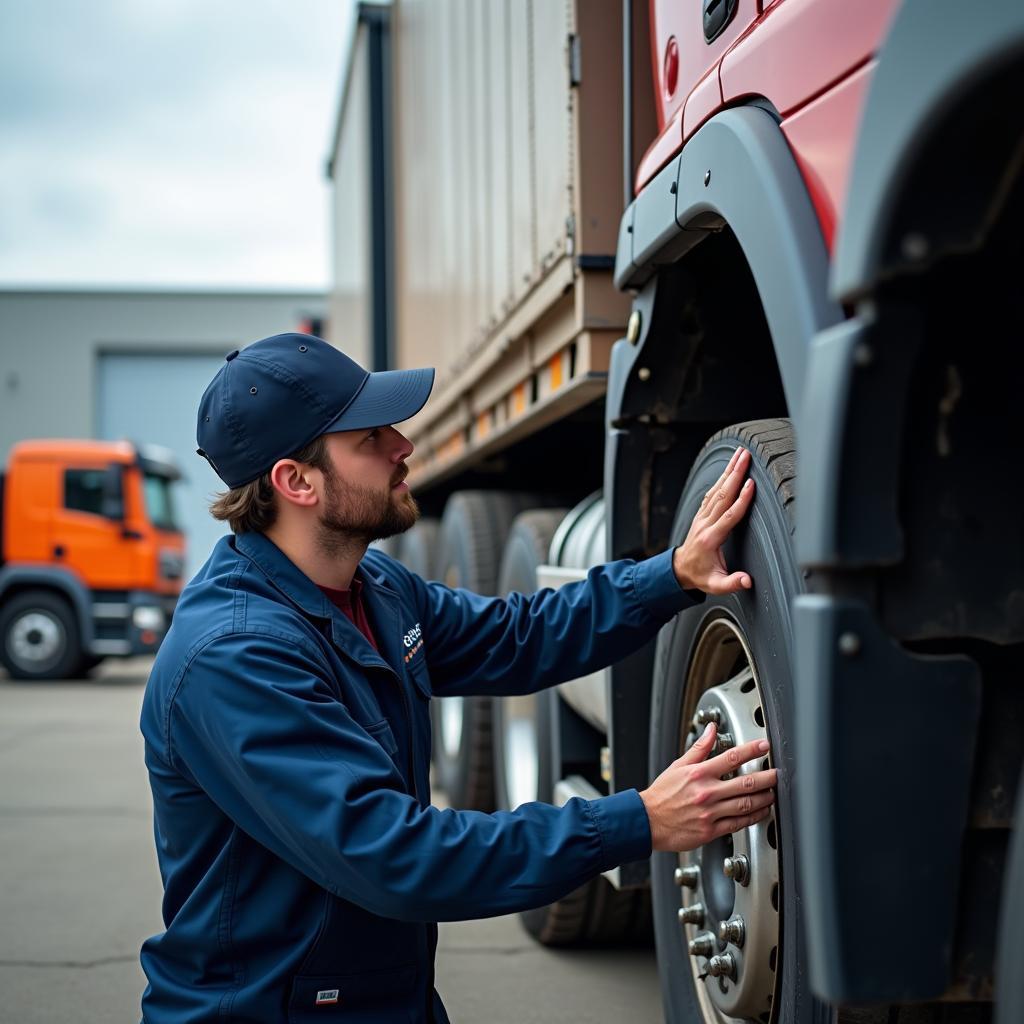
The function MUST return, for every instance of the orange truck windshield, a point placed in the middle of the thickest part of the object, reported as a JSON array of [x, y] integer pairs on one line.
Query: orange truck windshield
[[160, 502]]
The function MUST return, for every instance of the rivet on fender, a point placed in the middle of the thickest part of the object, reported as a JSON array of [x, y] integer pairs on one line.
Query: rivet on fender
[[849, 644]]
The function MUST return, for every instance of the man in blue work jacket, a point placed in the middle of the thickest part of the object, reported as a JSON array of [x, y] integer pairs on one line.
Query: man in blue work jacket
[[287, 728]]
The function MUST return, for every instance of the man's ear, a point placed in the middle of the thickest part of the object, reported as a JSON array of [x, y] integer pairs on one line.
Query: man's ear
[[293, 481]]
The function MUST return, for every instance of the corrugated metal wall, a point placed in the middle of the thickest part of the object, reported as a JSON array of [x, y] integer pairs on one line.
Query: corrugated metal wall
[[484, 130]]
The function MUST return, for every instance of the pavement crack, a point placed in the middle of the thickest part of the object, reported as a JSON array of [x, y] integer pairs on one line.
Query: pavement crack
[[83, 964]]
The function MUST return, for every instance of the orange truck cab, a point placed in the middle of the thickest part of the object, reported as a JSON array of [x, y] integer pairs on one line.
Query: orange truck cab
[[91, 556]]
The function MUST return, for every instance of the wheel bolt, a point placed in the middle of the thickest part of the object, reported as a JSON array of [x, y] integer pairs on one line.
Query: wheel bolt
[[737, 868], [688, 876], [722, 966], [724, 742], [705, 715], [849, 644], [703, 945], [732, 930], [692, 915]]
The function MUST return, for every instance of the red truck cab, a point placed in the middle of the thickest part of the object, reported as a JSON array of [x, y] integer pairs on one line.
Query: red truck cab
[[822, 243], [809, 61]]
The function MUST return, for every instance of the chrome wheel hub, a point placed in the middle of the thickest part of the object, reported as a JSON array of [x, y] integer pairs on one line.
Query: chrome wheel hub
[[35, 639], [733, 943], [452, 708], [519, 748], [451, 724]]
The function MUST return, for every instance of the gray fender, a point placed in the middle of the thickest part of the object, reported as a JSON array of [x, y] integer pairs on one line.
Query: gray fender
[[48, 577], [738, 170], [937, 136], [936, 52], [874, 831], [1009, 981]]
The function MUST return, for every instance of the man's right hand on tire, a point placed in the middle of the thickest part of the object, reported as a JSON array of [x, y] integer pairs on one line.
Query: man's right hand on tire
[[689, 804]]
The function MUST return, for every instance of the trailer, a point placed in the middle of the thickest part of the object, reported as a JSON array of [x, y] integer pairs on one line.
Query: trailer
[[631, 237]]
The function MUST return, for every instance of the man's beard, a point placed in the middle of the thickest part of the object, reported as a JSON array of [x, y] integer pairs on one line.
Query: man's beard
[[356, 516]]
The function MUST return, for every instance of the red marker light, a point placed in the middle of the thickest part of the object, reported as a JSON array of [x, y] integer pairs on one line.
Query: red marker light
[[671, 76]]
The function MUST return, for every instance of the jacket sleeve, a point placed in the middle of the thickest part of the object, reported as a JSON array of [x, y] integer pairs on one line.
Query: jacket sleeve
[[262, 733], [523, 643]]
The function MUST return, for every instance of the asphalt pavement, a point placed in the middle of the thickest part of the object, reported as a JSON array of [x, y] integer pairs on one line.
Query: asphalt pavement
[[80, 890]]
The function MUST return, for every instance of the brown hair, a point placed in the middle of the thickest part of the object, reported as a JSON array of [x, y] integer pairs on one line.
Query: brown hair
[[251, 508]]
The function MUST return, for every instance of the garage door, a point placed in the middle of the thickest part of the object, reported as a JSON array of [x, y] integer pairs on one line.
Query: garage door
[[153, 399]]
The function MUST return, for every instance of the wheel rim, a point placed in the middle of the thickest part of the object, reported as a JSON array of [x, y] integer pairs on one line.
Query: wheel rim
[[452, 710], [451, 724], [734, 921], [519, 748], [35, 640]]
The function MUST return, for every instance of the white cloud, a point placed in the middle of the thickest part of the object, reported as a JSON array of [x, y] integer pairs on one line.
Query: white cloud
[[170, 142]]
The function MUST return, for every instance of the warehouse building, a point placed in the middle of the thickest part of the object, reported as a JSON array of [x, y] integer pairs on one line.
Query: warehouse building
[[133, 364]]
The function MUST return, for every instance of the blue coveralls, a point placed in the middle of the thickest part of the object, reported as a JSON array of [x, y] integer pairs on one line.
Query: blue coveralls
[[303, 865]]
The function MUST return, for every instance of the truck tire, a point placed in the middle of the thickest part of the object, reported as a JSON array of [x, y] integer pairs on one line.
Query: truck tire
[[418, 548], [524, 770], [39, 637], [1009, 979], [520, 759], [734, 653], [391, 546], [473, 531]]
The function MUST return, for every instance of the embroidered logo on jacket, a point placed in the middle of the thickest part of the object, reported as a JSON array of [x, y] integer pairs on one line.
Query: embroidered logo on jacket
[[413, 641], [326, 997]]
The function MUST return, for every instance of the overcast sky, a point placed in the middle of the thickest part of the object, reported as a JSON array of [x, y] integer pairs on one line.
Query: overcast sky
[[167, 142]]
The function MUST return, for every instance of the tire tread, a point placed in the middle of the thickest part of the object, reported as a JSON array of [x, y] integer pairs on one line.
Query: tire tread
[[595, 914], [481, 521], [775, 443]]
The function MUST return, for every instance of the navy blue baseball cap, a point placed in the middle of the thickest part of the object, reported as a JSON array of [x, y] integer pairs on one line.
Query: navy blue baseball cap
[[275, 396]]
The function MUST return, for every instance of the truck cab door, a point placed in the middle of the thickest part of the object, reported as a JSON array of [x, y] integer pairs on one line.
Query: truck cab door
[[88, 527]]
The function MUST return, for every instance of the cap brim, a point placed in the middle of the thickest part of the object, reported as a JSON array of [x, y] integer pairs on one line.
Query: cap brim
[[388, 396]]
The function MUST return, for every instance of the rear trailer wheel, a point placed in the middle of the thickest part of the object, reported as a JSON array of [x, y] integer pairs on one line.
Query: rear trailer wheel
[[472, 537], [519, 748], [417, 548], [726, 916], [525, 770], [39, 637]]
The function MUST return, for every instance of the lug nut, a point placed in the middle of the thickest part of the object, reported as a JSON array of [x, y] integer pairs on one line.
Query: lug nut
[[705, 715], [703, 945], [722, 966], [692, 915], [688, 876], [849, 644], [724, 742], [732, 930], [737, 868]]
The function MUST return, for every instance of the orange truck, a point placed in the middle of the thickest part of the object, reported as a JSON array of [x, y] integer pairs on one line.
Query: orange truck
[[91, 556]]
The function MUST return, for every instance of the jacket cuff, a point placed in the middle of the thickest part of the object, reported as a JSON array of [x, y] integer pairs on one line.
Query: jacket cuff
[[658, 590], [624, 828]]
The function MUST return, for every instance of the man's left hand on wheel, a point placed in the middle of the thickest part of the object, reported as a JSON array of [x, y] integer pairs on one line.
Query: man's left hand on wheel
[[699, 562]]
